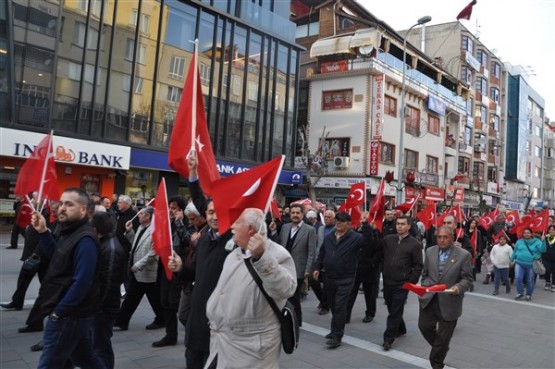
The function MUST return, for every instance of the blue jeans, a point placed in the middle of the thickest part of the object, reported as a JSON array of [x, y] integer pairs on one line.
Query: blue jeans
[[501, 274], [525, 274], [69, 338], [103, 330]]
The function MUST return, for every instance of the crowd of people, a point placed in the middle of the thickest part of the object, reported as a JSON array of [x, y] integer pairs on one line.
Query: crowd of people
[[89, 247]]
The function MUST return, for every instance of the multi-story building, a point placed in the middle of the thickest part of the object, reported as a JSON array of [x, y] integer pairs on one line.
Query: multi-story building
[[479, 144], [525, 140], [548, 188], [350, 105], [108, 76]]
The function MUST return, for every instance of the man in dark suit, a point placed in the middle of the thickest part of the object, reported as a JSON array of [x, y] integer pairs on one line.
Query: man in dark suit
[[300, 240], [451, 265]]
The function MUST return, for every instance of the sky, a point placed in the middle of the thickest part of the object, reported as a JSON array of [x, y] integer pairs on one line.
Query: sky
[[521, 32]]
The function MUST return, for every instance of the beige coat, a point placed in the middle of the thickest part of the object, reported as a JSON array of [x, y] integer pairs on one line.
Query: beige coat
[[144, 257], [244, 330]]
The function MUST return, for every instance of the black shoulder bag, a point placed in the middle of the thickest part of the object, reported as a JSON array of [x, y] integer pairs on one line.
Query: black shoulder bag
[[286, 317]]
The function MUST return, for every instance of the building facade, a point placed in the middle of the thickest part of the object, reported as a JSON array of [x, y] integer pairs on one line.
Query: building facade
[[112, 72]]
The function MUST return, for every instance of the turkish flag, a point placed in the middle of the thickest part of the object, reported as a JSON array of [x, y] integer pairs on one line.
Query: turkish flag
[[540, 221], [356, 216], [421, 290], [467, 11], [513, 217], [38, 173], [275, 210], [161, 229], [357, 195], [253, 188], [24, 214], [377, 209], [406, 207], [182, 135], [427, 216], [496, 236], [474, 244], [487, 220]]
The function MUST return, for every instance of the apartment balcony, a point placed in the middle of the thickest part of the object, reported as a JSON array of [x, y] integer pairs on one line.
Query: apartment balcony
[[549, 163]]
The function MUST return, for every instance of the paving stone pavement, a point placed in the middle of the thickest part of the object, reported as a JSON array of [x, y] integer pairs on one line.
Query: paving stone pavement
[[494, 332]]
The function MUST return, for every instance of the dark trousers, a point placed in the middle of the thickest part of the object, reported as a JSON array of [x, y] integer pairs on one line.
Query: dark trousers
[[103, 330], [316, 286], [296, 300], [338, 291], [23, 281], [170, 293], [437, 331], [196, 359], [69, 338], [133, 297], [395, 297], [370, 288], [549, 271], [16, 231]]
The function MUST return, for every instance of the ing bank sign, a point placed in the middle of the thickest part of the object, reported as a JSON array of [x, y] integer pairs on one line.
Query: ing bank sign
[[20, 144]]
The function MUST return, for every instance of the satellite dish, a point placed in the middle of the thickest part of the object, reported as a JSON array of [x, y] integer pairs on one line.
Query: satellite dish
[[365, 50]]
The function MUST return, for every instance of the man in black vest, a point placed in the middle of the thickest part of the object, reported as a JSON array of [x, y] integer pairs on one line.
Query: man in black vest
[[70, 287]]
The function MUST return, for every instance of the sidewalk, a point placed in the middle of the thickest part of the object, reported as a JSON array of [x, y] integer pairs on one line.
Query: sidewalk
[[494, 332]]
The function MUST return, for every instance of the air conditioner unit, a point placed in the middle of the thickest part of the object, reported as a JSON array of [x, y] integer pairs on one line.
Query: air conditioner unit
[[341, 162]]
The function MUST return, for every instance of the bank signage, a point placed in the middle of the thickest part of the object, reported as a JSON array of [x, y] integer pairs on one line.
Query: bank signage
[[20, 144]]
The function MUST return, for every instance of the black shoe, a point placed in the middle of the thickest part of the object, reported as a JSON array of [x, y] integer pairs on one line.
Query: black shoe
[[11, 247], [11, 306], [154, 325], [367, 319], [165, 342], [386, 346], [323, 311], [120, 327], [37, 347], [329, 335], [29, 329], [333, 343]]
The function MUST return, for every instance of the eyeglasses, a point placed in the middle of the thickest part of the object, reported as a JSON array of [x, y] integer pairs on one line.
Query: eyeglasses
[[447, 222]]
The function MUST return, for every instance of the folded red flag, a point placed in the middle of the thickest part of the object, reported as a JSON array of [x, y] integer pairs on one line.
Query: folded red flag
[[436, 288], [421, 290]]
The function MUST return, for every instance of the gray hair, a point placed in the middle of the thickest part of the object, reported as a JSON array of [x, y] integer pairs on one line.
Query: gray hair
[[255, 218], [149, 210], [446, 229], [191, 209], [125, 198], [330, 212]]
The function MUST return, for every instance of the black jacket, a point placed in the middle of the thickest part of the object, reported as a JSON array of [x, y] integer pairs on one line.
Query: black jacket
[[371, 255], [123, 218], [389, 227], [111, 271], [402, 260], [339, 257]]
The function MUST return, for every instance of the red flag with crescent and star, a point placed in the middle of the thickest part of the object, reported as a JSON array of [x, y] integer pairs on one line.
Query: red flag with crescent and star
[[161, 229], [274, 210], [540, 222], [24, 214], [357, 195], [38, 173], [427, 216], [513, 217], [253, 188], [487, 220], [181, 142], [377, 209], [407, 206]]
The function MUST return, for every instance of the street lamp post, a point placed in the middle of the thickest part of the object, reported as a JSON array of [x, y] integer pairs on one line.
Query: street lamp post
[[423, 20]]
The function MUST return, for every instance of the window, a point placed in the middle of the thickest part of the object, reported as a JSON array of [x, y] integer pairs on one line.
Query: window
[[494, 122], [482, 57], [550, 153], [466, 75], [537, 131], [464, 165], [478, 171], [253, 91], [411, 160], [127, 84], [174, 93], [468, 44], [89, 74], [129, 48], [431, 164], [479, 142], [142, 54], [145, 24], [537, 151], [412, 125], [536, 172], [310, 29], [79, 34], [390, 106], [337, 99], [493, 149], [481, 85], [345, 23], [494, 94], [387, 153], [74, 71], [177, 65], [492, 174], [496, 69], [204, 74], [469, 106], [483, 115], [468, 135], [83, 5], [433, 124]]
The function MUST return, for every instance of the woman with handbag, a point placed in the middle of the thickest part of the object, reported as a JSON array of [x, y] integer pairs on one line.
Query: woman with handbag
[[548, 258], [527, 249]]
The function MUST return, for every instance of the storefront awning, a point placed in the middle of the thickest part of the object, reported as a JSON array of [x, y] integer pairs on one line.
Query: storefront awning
[[331, 46], [366, 37]]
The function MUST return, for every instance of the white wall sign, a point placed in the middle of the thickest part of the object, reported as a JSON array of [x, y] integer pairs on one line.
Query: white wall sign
[[20, 144]]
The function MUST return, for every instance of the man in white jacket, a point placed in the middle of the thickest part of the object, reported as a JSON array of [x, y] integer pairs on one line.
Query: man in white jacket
[[245, 331]]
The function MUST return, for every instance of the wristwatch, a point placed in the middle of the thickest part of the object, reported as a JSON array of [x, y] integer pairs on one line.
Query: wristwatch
[[54, 317]]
